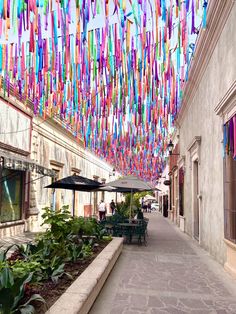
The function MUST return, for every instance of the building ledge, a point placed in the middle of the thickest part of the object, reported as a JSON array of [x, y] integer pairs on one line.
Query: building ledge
[[11, 223], [217, 14]]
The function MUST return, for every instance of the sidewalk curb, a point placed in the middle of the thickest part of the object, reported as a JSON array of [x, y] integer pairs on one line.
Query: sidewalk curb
[[82, 293]]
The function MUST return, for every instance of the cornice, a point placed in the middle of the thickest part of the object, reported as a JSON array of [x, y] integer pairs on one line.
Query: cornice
[[78, 150], [195, 141], [19, 151], [76, 170], [56, 163], [181, 161], [217, 14], [227, 105]]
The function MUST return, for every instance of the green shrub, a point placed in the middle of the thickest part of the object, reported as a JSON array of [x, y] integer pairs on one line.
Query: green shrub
[[12, 290]]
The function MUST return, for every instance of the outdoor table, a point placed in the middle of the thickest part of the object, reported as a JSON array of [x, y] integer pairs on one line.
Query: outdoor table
[[127, 229], [109, 228]]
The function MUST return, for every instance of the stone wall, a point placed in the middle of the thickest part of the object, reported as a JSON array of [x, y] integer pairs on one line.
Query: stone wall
[[55, 148], [199, 119]]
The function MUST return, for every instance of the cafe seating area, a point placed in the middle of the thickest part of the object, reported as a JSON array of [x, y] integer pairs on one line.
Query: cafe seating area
[[133, 230]]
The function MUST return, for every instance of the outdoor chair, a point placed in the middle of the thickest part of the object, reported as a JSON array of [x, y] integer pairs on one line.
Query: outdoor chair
[[141, 232]]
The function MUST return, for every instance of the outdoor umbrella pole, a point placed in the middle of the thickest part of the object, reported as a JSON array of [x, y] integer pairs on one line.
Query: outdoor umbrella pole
[[130, 212], [73, 209]]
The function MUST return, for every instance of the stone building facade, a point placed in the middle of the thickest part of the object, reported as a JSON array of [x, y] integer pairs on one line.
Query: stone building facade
[[209, 101], [34, 152]]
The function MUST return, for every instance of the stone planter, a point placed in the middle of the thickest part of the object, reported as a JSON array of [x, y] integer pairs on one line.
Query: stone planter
[[230, 264], [82, 293]]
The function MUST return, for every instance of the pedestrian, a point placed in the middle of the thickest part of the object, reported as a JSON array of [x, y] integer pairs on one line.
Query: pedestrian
[[102, 210], [113, 207], [149, 207], [142, 202]]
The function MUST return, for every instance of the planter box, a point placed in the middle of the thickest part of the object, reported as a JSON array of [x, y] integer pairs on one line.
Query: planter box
[[230, 264], [82, 293]]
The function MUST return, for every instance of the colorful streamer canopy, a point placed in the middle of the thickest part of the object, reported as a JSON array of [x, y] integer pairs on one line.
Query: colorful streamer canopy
[[112, 71]]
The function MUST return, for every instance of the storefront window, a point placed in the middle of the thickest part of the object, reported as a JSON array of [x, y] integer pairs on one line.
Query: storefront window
[[11, 182]]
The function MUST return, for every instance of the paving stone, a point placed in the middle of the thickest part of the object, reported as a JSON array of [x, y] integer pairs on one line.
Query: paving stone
[[117, 309], [193, 303], [155, 302], [171, 275], [156, 311], [138, 300]]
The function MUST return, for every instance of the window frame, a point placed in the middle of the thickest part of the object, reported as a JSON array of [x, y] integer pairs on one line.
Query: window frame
[[21, 174]]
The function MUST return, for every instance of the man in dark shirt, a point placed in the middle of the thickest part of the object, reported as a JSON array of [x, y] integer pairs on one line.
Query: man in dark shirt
[[112, 206]]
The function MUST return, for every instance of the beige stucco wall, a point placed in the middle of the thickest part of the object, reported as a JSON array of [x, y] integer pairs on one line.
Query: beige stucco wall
[[51, 144], [201, 120]]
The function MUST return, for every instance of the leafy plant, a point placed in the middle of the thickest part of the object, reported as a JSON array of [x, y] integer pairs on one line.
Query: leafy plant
[[3, 253], [54, 269], [12, 292], [66, 239], [21, 268], [59, 222], [86, 251], [107, 237], [74, 251]]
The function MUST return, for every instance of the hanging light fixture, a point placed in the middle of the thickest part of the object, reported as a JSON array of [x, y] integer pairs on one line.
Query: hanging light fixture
[[170, 148]]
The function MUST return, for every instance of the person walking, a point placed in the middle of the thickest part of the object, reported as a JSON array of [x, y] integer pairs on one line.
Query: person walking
[[102, 210], [113, 207]]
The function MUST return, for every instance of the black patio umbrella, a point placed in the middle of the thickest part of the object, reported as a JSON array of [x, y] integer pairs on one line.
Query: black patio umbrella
[[75, 183]]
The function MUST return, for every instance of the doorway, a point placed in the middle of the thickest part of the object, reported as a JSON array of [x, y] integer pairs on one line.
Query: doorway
[[165, 205], [195, 200]]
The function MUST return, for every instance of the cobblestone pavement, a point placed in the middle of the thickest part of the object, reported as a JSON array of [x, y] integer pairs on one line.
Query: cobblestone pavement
[[19, 239], [172, 274]]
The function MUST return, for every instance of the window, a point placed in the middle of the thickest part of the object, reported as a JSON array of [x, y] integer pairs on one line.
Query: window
[[230, 181], [11, 187], [55, 197]]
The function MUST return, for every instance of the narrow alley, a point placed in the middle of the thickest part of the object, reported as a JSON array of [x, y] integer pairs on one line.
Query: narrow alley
[[172, 274]]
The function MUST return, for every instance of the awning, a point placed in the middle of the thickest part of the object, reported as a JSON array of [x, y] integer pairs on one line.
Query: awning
[[14, 162]]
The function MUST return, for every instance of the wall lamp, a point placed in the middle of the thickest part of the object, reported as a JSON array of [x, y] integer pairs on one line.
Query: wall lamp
[[170, 148]]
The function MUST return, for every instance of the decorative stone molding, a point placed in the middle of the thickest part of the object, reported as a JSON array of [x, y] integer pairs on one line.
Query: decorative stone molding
[[56, 163], [217, 14], [226, 108], [194, 149], [182, 162], [75, 170], [14, 149]]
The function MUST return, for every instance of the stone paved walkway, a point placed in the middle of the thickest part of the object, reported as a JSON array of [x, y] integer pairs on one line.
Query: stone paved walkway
[[171, 275], [19, 239]]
